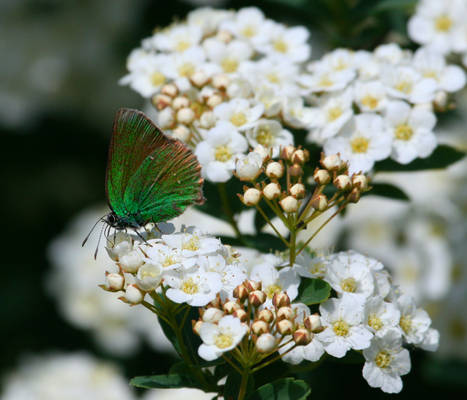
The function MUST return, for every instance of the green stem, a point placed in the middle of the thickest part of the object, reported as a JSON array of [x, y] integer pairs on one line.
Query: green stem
[[243, 384], [228, 211], [260, 210]]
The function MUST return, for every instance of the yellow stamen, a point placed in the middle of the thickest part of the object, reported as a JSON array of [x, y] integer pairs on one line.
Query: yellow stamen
[[272, 290], [383, 359], [349, 285], [370, 102], [222, 154], [238, 119], [223, 341], [229, 65], [341, 328], [375, 322], [182, 45], [157, 79], [359, 145], [403, 132], [334, 113], [406, 323], [190, 286], [264, 136], [443, 23], [280, 46]]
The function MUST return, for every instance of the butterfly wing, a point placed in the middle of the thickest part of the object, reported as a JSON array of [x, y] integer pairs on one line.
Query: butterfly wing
[[149, 174]]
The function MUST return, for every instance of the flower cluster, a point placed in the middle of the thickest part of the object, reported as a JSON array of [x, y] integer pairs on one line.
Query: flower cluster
[[368, 106], [224, 81], [440, 25]]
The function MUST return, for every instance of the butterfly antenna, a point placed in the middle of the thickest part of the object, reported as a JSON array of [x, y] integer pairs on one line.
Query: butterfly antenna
[[99, 242], [92, 229]]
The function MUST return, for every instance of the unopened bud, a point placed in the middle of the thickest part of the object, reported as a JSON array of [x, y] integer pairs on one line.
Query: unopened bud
[[199, 78], [296, 170], [224, 36], [285, 313], [302, 337], [354, 195], [131, 261], [133, 294], [212, 315], [161, 101], [265, 343], [281, 299], [266, 315], [182, 133], [289, 204], [185, 115], [214, 100], [285, 327], [166, 118], [441, 100], [272, 191], [300, 156], [114, 281], [320, 202], [275, 170], [298, 191], [231, 306], [207, 120], [287, 152], [256, 298], [251, 197], [313, 323], [240, 314], [262, 151], [259, 327], [220, 81], [169, 90], [240, 292], [360, 181], [196, 326], [332, 162], [252, 285], [180, 102], [342, 182], [321, 176]]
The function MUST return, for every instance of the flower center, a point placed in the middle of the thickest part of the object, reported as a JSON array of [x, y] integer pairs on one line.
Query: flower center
[[359, 145], [443, 23], [341, 65], [249, 31], [334, 113], [182, 45], [341, 328], [222, 154], [190, 286], [375, 322], [430, 73], [370, 102], [229, 65], [192, 244], [383, 359], [187, 69], [157, 78], [148, 274], [325, 81], [404, 87], [272, 290], [238, 119], [406, 323], [223, 341], [169, 260], [280, 46], [403, 132], [317, 268], [349, 285], [265, 136], [272, 77]]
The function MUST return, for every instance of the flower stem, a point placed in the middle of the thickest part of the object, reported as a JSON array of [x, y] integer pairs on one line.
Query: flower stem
[[228, 210], [243, 384], [260, 210]]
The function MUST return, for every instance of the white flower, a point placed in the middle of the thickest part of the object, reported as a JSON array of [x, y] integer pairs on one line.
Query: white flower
[[270, 134], [391, 53], [431, 340], [370, 96], [192, 242], [221, 337], [228, 56], [288, 43], [208, 19], [310, 352], [119, 244], [338, 60], [412, 130], [166, 257], [149, 276], [363, 141], [178, 38], [271, 99], [296, 114], [275, 281], [414, 321], [343, 322], [239, 112], [386, 361], [218, 151], [311, 267], [195, 287], [380, 315], [248, 167], [322, 79]]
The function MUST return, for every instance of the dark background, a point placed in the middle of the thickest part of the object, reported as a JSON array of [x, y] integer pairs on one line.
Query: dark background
[[53, 153]]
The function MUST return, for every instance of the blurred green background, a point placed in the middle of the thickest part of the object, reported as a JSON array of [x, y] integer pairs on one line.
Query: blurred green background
[[61, 61]]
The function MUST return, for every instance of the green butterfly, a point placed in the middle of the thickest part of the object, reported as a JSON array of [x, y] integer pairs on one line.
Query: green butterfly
[[150, 177]]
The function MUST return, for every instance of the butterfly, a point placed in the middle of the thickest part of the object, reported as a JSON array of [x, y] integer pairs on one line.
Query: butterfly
[[150, 177]]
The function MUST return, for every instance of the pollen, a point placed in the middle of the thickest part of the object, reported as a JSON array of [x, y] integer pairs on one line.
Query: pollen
[[187, 69], [341, 328], [406, 323], [443, 23], [265, 136], [349, 285], [403, 132], [182, 45], [334, 113], [229, 65], [370, 102], [148, 274], [192, 244], [223, 341], [404, 87], [325, 81], [317, 268], [383, 359], [157, 79], [375, 322], [238, 119], [359, 145], [280, 46], [272, 290], [169, 260], [190, 286], [222, 154], [249, 31], [272, 77]]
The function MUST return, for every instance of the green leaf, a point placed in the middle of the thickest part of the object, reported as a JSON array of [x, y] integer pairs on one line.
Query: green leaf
[[387, 190], [282, 389], [442, 157], [394, 5], [264, 242], [164, 381], [313, 291]]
